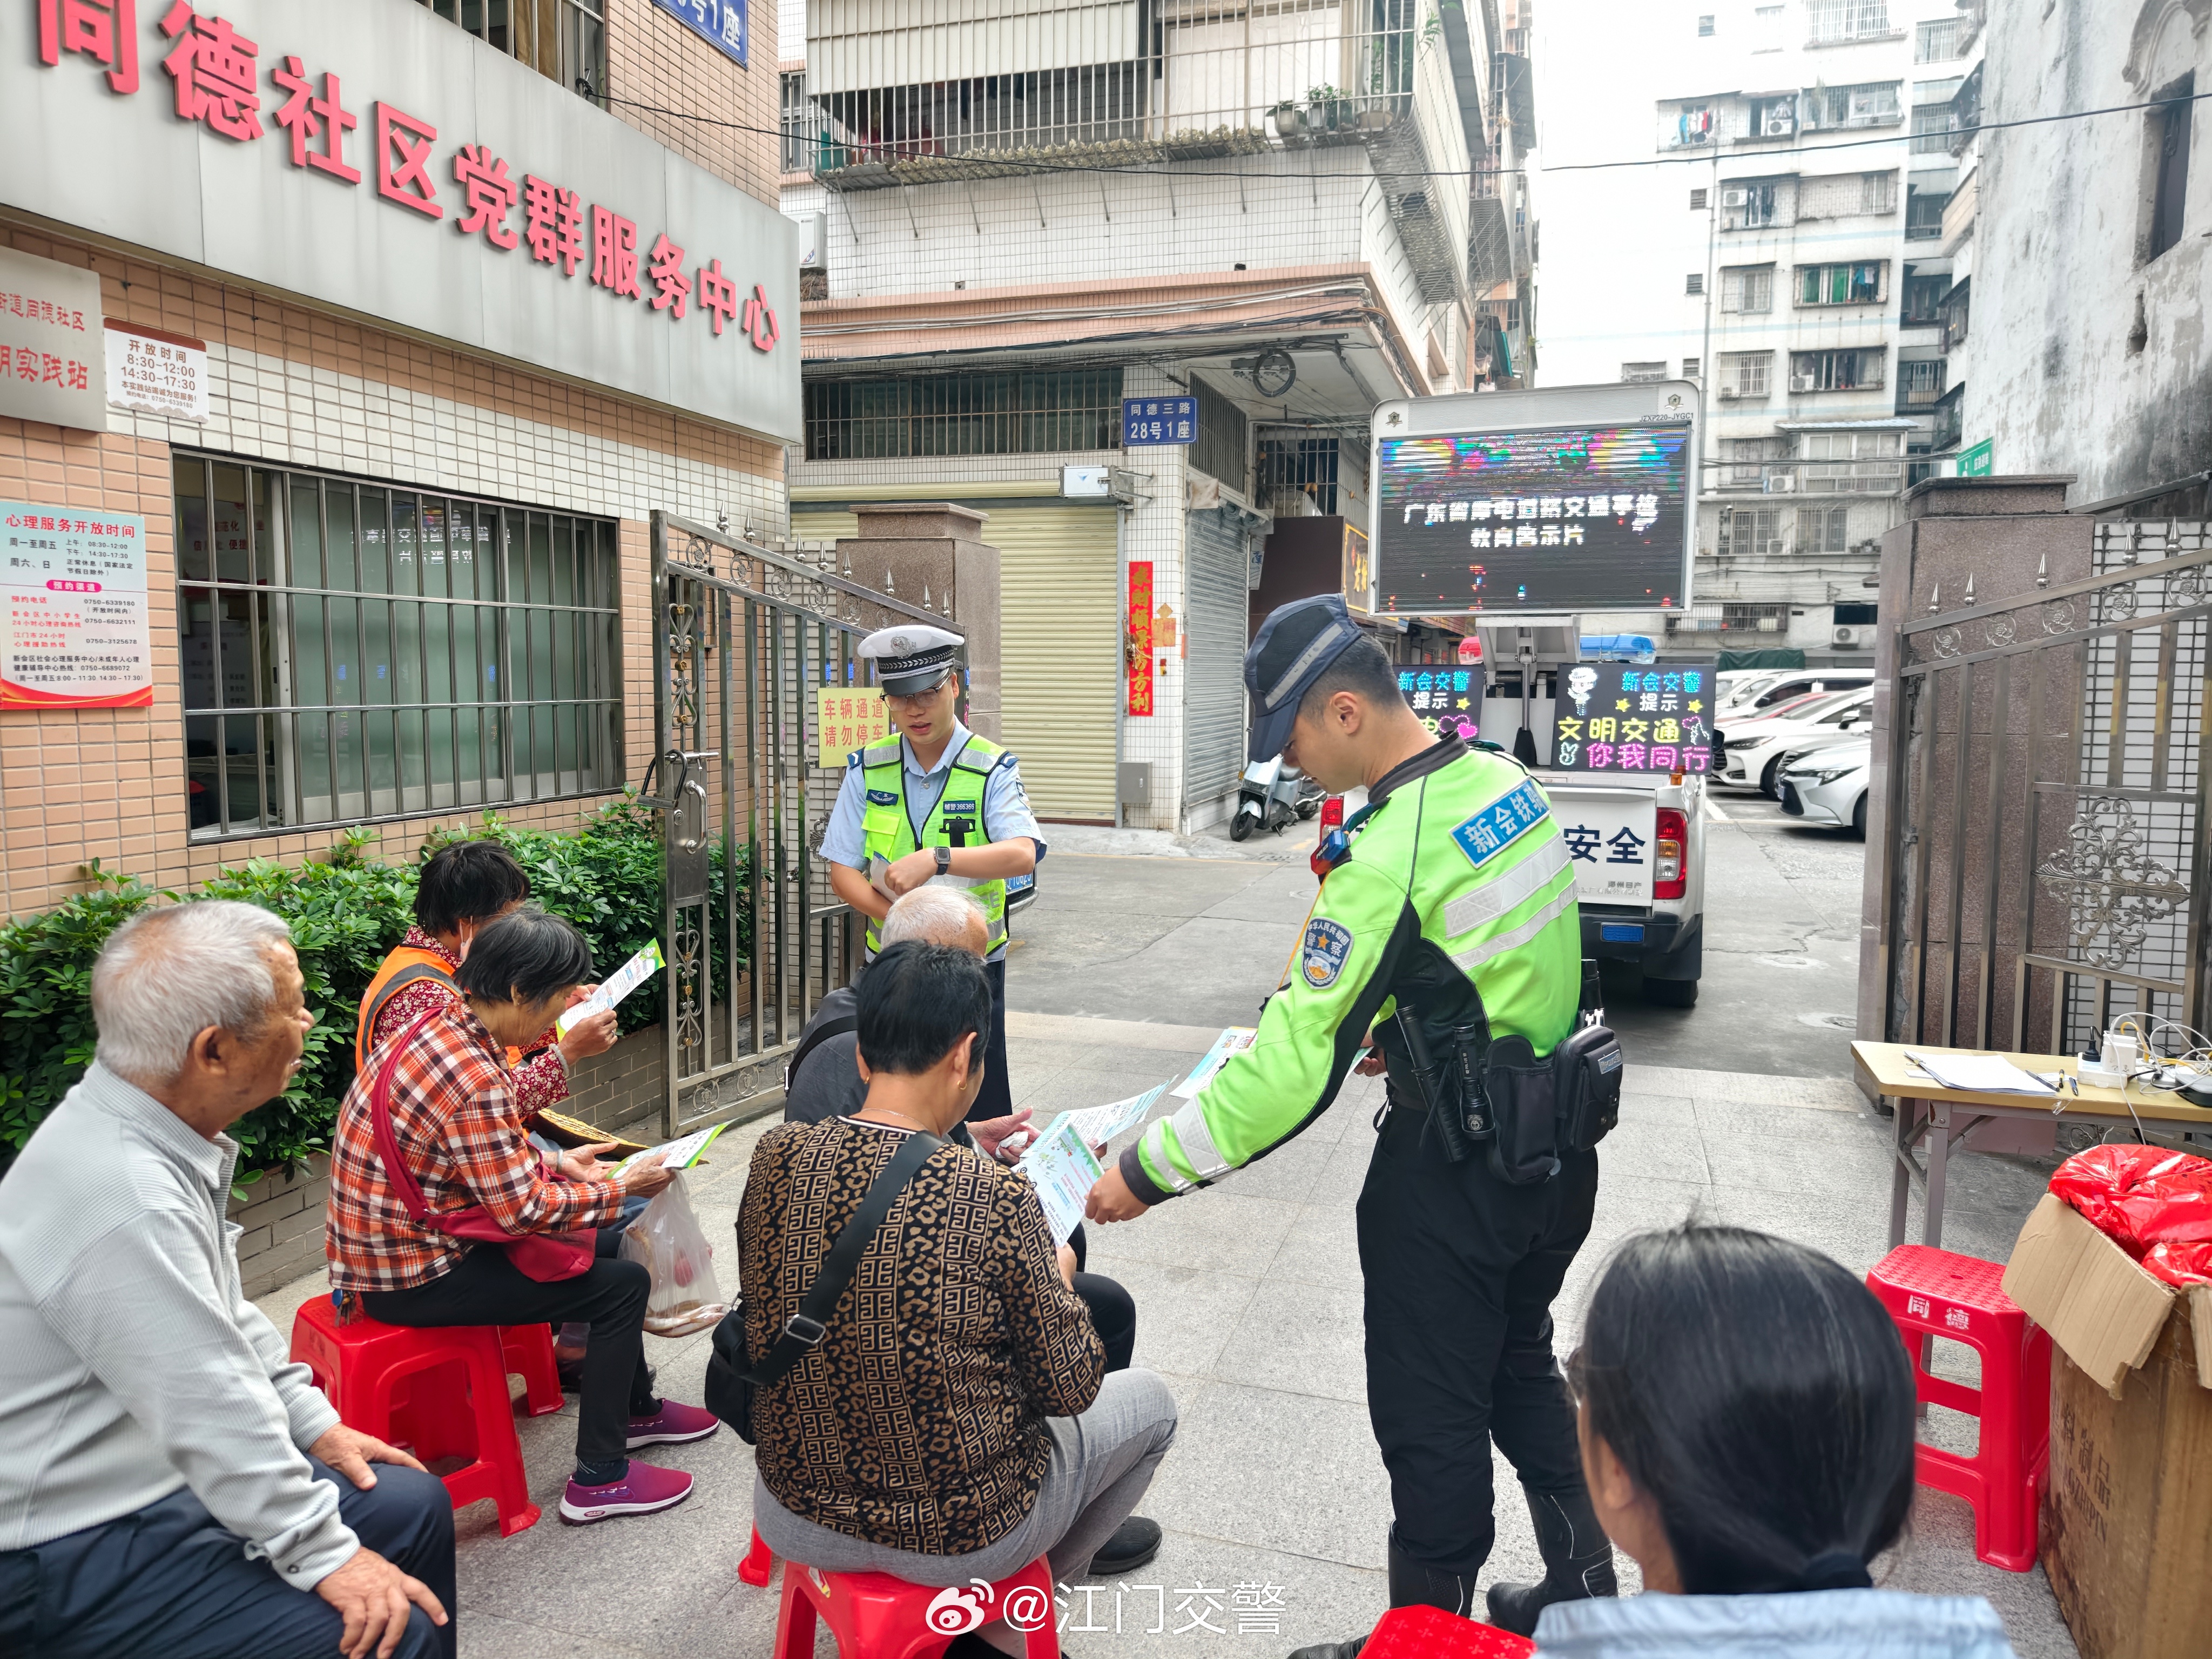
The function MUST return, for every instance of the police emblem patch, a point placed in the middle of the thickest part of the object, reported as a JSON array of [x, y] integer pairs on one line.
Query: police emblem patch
[[1322, 955], [883, 798], [1502, 823]]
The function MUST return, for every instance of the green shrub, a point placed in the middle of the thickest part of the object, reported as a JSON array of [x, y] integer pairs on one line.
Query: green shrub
[[345, 913]]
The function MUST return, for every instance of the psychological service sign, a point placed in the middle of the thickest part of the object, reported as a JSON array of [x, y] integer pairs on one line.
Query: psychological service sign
[[722, 21], [364, 156], [1632, 719], [1159, 420], [75, 632]]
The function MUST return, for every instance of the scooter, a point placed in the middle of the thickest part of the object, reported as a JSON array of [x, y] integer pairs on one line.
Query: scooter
[[1273, 796]]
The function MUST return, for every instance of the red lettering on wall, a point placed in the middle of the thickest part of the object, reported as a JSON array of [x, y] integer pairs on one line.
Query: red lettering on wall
[[614, 253], [666, 270], [216, 71], [106, 31], [403, 160], [491, 194], [718, 294], [308, 117], [554, 221]]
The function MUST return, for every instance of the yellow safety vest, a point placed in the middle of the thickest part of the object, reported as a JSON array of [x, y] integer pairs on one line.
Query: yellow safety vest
[[957, 820]]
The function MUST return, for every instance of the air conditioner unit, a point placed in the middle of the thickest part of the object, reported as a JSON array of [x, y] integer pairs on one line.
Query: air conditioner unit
[[1782, 484], [1726, 391], [1778, 124], [1801, 383], [1735, 199]]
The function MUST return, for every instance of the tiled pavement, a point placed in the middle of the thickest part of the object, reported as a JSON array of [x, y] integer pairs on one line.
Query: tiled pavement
[[1249, 1303]]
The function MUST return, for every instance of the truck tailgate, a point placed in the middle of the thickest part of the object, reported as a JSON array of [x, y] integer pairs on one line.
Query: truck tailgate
[[1608, 833]]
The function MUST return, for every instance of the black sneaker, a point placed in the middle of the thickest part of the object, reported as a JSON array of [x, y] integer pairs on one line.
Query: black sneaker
[[1134, 1542], [1332, 1650]]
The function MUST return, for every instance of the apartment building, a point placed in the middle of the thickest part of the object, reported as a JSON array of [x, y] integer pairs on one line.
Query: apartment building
[[1750, 197], [344, 352], [1129, 280]]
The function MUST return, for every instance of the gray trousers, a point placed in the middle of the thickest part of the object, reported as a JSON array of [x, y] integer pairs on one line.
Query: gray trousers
[[1102, 1462]]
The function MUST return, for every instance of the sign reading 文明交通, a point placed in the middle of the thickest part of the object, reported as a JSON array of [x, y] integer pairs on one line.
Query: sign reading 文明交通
[[1159, 420], [846, 718], [1137, 649], [50, 341], [1445, 699], [722, 21], [364, 156], [74, 634], [1622, 717]]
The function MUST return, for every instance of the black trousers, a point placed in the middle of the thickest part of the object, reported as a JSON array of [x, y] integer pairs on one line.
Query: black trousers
[[997, 1097], [1461, 1270], [487, 1289], [1113, 1309], [169, 1580]]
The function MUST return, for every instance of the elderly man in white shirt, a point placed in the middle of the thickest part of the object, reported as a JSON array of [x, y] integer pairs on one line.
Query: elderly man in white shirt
[[169, 1483]]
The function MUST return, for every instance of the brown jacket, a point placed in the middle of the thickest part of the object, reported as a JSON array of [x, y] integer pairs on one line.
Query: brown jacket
[[918, 1423]]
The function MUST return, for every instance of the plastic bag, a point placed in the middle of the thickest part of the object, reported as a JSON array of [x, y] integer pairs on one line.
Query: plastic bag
[[667, 1238], [2179, 1264], [2140, 1196]]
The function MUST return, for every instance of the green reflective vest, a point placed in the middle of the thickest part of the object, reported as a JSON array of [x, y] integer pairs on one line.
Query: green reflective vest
[[1460, 876], [957, 820]]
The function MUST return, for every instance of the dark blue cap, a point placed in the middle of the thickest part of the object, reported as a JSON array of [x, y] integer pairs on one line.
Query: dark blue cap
[[1294, 647]]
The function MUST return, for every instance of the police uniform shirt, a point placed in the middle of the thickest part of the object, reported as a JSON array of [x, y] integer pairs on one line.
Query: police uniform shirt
[[1006, 805]]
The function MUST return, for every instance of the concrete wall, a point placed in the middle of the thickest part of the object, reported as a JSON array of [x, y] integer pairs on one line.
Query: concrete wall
[[2088, 357]]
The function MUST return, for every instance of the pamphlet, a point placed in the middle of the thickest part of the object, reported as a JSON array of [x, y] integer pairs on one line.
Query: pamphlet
[[1096, 1125], [627, 978], [1984, 1073], [677, 1154], [1233, 1039], [1063, 1170]]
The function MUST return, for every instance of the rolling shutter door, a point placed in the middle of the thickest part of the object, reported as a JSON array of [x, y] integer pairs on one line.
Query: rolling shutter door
[[1060, 645], [1216, 614]]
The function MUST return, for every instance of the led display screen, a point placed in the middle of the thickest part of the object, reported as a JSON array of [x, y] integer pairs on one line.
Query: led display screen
[[1551, 518], [1616, 717]]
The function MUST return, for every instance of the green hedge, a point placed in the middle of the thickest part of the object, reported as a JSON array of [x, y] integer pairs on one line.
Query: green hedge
[[345, 913]]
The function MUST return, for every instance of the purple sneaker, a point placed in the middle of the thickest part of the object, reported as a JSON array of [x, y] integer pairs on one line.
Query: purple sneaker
[[671, 1425], [644, 1490]]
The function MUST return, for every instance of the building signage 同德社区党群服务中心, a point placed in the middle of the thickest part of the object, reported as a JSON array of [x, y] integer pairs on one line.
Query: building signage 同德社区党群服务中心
[[1159, 420], [722, 21], [75, 633], [365, 157], [1587, 518], [1616, 717]]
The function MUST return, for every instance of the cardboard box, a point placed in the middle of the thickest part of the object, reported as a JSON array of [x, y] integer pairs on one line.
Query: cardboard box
[[2127, 1506]]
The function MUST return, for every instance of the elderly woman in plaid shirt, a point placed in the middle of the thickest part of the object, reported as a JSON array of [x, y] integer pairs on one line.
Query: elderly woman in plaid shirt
[[460, 1130]]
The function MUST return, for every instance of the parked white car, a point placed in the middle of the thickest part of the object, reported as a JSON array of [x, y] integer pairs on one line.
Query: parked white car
[[1755, 747], [1828, 785], [1754, 698]]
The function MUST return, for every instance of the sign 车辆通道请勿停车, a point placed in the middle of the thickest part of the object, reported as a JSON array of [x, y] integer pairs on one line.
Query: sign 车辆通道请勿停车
[[75, 632], [1633, 719], [847, 718], [364, 157]]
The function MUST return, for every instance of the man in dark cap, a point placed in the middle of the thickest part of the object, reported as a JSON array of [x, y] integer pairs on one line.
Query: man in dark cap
[[1454, 900], [936, 803]]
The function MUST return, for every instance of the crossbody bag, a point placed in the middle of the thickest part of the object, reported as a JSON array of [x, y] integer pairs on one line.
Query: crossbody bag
[[732, 1379]]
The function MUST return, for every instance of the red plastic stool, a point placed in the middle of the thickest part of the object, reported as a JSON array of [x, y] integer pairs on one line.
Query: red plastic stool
[[759, 1565], [1932, 1292], [873, 1615], [442, 1392], [528, 1353], [1432, 1633]]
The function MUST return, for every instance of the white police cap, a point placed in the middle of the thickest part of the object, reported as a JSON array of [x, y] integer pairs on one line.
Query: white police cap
[[911, 658]]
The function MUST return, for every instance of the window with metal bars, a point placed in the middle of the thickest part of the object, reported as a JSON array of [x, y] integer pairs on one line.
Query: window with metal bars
[[1823, 529], [1307, 465], [1223, 448], [1010, 414], [564, 40], [801, 123], [354, 650]]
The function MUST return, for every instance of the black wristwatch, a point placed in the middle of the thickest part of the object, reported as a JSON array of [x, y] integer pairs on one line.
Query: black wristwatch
[[944, 861]]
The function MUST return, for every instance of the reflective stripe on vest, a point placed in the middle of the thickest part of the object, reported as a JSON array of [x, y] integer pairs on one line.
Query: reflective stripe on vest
[[887, 830]]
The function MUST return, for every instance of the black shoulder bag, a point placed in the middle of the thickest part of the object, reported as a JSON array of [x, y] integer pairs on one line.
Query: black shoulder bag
[[731, 1377]]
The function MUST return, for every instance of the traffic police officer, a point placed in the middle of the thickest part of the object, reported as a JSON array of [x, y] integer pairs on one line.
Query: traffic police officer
[[936, 802], [1455, 902]]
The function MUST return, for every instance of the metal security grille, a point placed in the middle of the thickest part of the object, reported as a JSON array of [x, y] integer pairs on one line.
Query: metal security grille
[[354, 651], [564, 40], [1304, 466], [2048, 819], [1224, 438], [1216, 612], [1010, 414]]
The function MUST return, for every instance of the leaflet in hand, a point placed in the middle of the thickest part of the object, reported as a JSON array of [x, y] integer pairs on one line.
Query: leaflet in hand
[[1233, 1039], [1096, 1125], [1063, 1170], [677, 1154], [627, 978]]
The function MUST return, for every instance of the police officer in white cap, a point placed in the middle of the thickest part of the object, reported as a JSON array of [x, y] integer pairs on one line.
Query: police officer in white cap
[[936, 803]]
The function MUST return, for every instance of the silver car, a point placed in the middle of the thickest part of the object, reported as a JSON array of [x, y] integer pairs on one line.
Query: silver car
[[1828, 785]]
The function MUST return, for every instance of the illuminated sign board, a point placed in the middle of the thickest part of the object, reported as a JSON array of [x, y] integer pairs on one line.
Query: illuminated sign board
[[1634, 718]]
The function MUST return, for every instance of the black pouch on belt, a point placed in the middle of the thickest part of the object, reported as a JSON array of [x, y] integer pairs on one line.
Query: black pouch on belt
[[1587, 1070], [1522, 1093]]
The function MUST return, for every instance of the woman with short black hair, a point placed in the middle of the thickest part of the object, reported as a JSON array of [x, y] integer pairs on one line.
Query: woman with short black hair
[[461, 1136], [1746, 1412]]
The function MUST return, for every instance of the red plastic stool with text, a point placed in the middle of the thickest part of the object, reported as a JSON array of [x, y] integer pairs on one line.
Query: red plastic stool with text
[[873, 1615], [442, 1393], [528, 1353], [1432, 1633], [1932, 1292]]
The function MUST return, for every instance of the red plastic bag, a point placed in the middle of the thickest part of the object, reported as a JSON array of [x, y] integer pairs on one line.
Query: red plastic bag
[[2180, 1264], [2140, 1196]]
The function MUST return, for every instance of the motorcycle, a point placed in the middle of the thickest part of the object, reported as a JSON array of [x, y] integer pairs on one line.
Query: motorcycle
[[1273, 796]]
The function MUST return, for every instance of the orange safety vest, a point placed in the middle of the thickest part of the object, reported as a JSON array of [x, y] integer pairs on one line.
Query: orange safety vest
[[406, 964]]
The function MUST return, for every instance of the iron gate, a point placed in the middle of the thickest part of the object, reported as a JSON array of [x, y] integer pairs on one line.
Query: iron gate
[[743, 641], [2047, 828]]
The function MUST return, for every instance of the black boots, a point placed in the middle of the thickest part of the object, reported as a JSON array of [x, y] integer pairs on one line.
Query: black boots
[[1578, 1561], [1412, 1585]]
